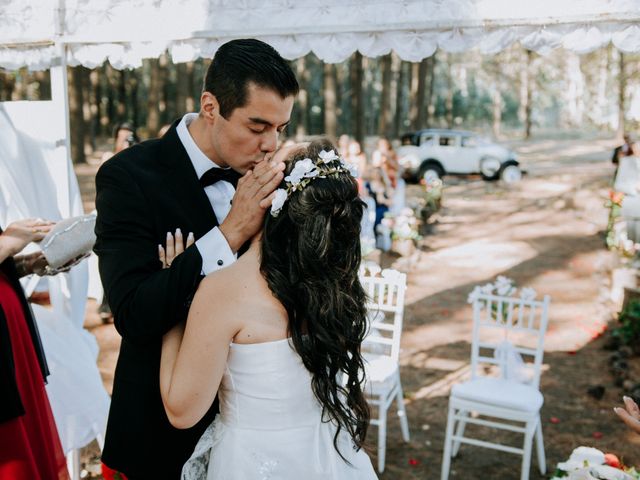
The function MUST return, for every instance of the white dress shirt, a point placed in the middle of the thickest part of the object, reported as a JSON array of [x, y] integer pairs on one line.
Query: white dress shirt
[[213, 246]]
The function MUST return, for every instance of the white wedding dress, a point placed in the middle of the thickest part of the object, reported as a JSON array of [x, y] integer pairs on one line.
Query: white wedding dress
[[269, 425]]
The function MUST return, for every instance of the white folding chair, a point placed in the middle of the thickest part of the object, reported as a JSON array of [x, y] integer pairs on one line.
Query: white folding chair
[[381, 349], [504, 330]]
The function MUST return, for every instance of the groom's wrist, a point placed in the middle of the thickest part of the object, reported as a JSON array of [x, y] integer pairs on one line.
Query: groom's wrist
[[233, 237]]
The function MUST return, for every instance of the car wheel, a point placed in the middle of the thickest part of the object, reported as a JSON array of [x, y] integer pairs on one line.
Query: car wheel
[[511, 174], [489, 168], [430, 173]]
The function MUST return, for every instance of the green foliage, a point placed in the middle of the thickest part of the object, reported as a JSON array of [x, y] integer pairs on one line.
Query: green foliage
[[629, 329]]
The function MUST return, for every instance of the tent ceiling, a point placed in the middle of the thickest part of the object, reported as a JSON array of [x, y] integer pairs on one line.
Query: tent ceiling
[[126, 31]]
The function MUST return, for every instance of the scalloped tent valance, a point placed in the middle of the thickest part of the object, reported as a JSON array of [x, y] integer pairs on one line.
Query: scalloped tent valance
[[127, 31]]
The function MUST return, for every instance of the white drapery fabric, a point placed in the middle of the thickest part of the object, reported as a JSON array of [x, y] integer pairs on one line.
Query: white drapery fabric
[[37, 180], [126, 31]]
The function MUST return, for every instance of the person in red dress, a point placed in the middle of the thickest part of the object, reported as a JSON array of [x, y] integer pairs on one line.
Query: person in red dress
[[30, 447]]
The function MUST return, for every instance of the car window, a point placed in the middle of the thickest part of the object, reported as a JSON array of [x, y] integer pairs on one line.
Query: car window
[[447, 141], [427, 139]]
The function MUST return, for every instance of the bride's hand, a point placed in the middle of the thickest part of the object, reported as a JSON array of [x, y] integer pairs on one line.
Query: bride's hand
[[175, 246]]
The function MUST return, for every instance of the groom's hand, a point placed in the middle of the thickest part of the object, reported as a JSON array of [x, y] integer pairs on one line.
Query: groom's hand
[[250, 202]]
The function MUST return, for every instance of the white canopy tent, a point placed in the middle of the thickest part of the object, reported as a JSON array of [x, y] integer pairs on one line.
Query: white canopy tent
[[126, 31]]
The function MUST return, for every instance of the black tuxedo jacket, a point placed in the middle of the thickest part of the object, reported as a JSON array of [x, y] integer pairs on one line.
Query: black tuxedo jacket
[[142, 193]]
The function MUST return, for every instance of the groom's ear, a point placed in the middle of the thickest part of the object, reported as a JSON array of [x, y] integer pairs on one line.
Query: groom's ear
[[209, 106]]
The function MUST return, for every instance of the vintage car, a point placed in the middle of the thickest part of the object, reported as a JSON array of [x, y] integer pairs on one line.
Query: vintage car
[[433, 153]]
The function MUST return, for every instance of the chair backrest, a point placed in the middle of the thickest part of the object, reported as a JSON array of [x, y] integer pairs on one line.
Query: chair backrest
[[519, 321], [385, 304]]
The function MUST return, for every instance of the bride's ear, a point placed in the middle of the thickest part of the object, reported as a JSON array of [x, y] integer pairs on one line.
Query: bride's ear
[[209, 107]]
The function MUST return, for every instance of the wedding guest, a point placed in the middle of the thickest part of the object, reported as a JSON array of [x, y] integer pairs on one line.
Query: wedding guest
[[30, 446], [356, 156], [380, 192], [124, 136], [385, 156], [624, 150], [343, 145]]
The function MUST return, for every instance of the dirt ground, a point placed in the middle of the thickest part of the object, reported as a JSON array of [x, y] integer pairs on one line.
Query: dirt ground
[[547, 233]]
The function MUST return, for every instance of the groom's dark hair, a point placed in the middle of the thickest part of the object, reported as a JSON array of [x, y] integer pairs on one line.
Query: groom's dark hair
[[239, 62]]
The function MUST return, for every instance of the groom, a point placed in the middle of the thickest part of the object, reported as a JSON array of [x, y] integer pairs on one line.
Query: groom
[[186, 180]]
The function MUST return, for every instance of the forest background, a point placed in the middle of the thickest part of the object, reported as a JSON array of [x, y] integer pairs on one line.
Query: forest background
[[516, 92]]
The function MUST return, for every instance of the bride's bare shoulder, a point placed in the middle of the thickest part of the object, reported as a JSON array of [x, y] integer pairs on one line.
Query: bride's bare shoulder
[[235, 280]]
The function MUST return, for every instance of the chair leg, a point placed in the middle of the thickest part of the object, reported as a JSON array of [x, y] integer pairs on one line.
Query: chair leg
[[73, 464], [446, 454], [526, 454], [382, 434], [402, 413], [542, 461], [459, 432]]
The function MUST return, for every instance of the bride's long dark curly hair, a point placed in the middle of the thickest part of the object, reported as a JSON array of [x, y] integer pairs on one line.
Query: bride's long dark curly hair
[[310, 260]]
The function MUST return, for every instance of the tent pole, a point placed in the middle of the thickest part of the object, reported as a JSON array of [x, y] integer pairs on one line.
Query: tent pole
[[60, 96], [60, 80]]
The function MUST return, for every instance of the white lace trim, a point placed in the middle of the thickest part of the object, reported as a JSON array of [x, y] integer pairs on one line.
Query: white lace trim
[[332, 29]]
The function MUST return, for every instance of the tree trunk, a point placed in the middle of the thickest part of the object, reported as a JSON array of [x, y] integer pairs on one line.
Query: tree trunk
[[303, 100], [111, 73], [76, 104], [329, 93], [622, 92], [496, 97], [182, 89], [7, 84], [44, 82], [449, 100], [413, 95], [431, 107], [421, 118], [357, 110], [153, 98], [384, 119], [134, 84], [167, 83], [399, 114], [526, 95], [123, 114], [96, 106]]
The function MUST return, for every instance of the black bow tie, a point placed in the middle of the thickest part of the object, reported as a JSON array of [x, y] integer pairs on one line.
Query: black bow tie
[[214, 175]]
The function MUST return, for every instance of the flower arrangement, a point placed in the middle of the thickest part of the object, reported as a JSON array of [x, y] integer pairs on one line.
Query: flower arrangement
[[405, 226], [586, 463], [616, 236], [433, 192], [502, 287], [431, 200]]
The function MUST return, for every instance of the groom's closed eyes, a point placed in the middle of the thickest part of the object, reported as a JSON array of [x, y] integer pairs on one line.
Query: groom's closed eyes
[[258, 125]]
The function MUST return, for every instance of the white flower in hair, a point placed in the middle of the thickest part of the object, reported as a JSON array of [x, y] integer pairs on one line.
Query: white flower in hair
[[302, 169], [278, 201], [326, 157]]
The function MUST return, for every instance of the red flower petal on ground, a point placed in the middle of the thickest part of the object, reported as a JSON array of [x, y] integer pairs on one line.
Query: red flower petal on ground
[[612, 460], [413, 462], [596, 435], [554, 420]]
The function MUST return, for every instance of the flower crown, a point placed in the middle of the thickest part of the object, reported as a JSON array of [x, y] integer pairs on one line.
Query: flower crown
[[328, 163]]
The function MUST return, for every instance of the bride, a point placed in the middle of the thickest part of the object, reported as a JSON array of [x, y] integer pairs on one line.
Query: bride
[[277, 337]]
